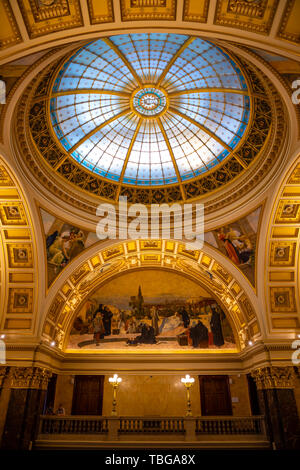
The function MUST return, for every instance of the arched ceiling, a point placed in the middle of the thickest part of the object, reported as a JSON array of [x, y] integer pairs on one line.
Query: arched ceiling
[[19, 287], [282, 256]]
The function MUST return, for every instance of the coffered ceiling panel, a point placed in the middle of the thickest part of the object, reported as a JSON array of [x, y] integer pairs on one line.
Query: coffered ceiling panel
[[46, 16], [100, 12], [250, 15], [133, 10], [9, 31], [195, 10], [289, 27]]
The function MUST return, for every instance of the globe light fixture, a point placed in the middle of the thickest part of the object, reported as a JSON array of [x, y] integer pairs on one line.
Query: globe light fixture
[[115, 381], [188, 382]]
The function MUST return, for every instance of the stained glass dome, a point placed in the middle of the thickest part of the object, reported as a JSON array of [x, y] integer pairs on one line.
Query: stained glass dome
[[150, 109]]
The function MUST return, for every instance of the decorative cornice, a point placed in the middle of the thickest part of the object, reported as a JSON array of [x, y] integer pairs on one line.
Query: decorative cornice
[[30, 377], [273, 377]]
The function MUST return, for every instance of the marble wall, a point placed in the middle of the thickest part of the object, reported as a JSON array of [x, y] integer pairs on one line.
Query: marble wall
[[151, 395]]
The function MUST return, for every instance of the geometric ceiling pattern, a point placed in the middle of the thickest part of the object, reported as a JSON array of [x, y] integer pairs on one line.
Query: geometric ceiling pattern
[[149, 109]]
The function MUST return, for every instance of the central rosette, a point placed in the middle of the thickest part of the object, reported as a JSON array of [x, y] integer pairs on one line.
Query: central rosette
[[149, 101]]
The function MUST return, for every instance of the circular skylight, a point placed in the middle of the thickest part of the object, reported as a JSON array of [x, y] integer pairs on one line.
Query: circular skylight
[[149, 109]]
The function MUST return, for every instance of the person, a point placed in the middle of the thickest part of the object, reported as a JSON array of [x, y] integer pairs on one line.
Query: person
[[216, 328], [154, 319], [147, 336], [229, 247], [106, 317], [185, 317], [131, 325], [76, 245], [98, 327], [199, 335], [50, 411], [170, 323], [60, 410]]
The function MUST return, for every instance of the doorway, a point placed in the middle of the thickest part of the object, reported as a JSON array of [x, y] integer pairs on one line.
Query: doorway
[[88, 395], [215, 395]]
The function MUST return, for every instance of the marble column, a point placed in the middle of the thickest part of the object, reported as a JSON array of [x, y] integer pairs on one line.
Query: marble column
[[275, 388], [28, 389]]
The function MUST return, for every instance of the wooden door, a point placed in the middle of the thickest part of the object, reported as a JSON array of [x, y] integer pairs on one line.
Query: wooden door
[[215, 395], [88, 395]]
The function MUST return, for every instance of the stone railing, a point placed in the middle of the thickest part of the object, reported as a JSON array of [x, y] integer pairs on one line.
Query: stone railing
[[230, 425], [72, 431], [151, 425], [73, 425]]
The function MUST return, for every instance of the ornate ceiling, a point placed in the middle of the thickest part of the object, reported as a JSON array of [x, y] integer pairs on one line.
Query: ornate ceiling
[[46, 37]]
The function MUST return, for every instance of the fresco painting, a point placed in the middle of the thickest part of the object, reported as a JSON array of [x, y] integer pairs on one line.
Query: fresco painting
[[63, 243], [237, 241], [159, 321]]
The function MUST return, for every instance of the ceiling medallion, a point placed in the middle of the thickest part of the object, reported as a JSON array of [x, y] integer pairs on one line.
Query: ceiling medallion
[[149, 102]]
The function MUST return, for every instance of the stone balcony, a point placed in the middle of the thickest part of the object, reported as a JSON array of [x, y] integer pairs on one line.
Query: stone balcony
[[81, 432]]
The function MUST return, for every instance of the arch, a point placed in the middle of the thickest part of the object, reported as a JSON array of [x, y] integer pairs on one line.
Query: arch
[[17, 257], [116, 259], [282, 256]]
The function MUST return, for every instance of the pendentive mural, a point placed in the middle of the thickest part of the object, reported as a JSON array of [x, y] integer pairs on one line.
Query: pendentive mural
[[63, 242], [154, 310], [237, 241]]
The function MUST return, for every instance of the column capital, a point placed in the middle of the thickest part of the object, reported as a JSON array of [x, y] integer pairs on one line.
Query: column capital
[[3, 374], [273, 377], [30, 377]]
